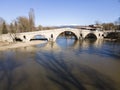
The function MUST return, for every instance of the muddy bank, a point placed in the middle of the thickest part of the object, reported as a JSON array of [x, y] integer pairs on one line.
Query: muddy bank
[[7, 45]]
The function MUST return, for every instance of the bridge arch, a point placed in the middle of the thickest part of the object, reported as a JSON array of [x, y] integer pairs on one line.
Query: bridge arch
[[91, 35], [38, 37], [76, 34]]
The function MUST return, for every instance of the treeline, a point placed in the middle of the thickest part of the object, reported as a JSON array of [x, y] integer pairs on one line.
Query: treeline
[[21, 24], [111, 26]]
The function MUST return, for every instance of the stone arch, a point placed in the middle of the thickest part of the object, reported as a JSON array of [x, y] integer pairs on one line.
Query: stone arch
[[91, 35], [74, 33], [18, 39], [38, 37]]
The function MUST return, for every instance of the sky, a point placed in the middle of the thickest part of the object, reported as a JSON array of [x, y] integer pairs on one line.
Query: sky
[[62, 12]]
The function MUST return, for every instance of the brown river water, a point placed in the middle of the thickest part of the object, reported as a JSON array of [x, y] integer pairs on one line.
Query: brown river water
[[64, 65]]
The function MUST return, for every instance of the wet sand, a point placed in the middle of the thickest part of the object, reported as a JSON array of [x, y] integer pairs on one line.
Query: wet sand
[[6, 45]]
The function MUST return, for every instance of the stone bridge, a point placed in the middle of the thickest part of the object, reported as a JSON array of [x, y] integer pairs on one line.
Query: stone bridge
[[53, 34]]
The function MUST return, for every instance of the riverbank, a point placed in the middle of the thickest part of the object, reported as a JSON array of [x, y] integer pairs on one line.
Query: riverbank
[[7, 45], [112, 39]]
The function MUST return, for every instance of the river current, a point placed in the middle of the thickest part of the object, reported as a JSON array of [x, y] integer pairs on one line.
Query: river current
[[66, 64]]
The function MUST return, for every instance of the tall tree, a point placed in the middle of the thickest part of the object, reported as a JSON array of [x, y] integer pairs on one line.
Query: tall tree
[[31, 20], [116, 25], [12, 30], [40, 27], [4, 28], [16, 26], [119, 23], [1, 24]]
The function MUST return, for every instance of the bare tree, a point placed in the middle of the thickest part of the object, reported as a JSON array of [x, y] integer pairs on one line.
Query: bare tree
[[23, 24], [11, 28], [4, 28], [15, 26], [119, 23], [1, 24], [108, 26], [40, 27], [31, 20], [116, 25]]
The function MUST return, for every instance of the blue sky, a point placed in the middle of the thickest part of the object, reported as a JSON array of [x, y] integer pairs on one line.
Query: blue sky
[[62, 12]]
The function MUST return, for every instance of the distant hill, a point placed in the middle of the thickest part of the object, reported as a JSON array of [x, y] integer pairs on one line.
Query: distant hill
[[68, 26]]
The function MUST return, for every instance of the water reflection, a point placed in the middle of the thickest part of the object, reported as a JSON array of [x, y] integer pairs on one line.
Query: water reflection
[[97, 47], [66, 41], [92, 46], [101, 48]]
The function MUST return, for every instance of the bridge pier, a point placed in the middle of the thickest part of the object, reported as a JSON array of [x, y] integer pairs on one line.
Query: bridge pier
[[51, 39]]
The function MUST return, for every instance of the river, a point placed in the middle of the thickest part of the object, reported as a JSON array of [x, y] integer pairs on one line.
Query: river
[[66, 64]]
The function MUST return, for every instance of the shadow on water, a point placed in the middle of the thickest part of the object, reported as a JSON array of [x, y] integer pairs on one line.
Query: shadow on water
[[8, 80], [96, 79], [61, 73]]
